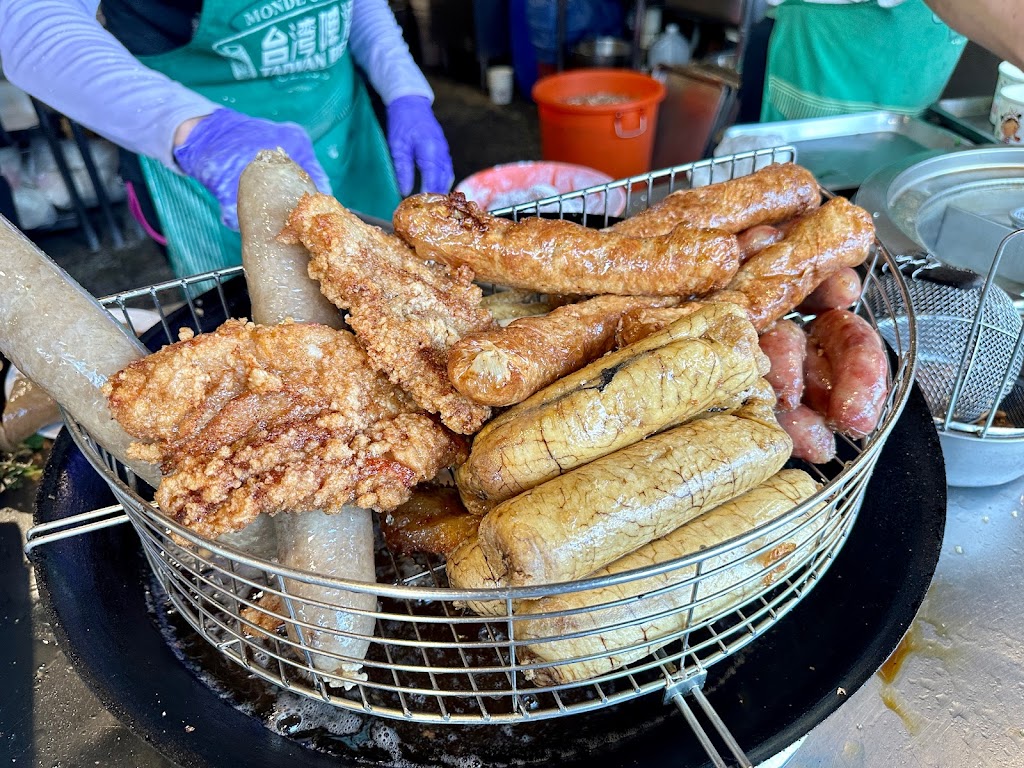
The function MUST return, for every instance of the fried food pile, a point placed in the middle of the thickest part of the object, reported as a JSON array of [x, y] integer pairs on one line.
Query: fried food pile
[[267, 419], [654, 393]]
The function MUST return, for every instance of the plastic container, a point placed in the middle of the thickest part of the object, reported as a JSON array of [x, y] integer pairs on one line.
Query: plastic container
[[601, 118], [511, 184], [670, 47]]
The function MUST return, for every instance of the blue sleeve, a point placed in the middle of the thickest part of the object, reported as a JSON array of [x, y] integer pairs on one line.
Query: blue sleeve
[[57, 51], [378, 47]]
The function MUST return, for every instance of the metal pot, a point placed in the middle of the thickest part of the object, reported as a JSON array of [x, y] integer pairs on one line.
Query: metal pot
[[602, 52]]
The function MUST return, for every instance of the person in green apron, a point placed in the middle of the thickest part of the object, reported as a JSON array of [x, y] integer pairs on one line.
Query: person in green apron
[[197, 87], [836, 57]]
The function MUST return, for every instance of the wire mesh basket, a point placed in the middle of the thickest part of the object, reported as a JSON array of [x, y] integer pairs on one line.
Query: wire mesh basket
[[970, 345], [431, 659]]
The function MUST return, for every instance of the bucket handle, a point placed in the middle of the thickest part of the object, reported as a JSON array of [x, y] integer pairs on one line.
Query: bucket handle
[[630, 134]]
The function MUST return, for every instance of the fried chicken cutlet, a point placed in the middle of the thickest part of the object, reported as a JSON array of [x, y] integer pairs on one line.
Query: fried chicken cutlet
[[264, 419], [406, 313]]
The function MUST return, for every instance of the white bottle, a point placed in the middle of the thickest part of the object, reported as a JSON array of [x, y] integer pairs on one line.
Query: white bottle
[[670, 47]]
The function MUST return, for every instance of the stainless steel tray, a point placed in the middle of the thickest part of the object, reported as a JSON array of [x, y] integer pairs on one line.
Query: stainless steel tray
[[844, 151], [922, 202], [967, 116]]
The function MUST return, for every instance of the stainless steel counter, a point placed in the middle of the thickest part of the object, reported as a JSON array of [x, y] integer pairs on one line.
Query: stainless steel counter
[[955, 696]]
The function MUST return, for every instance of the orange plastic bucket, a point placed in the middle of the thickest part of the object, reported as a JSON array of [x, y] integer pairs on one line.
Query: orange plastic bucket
[[603, 118]]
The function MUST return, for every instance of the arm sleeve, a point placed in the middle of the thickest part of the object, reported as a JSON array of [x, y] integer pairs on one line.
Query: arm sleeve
[[377, 46], [57, 51]]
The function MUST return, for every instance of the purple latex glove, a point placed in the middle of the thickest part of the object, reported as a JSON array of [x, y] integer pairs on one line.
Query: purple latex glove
[[220, 146], [416, 140]]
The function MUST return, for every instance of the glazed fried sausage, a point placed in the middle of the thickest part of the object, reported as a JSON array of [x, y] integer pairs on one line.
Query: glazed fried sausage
[[555, 256], [859, 371], [432, 520], [785, 344], [840, 290], [770, 195], [505, 366], [813, 441], [838, 234], [756, 239]]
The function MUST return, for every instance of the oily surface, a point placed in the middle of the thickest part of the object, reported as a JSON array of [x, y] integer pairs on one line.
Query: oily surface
[[557, 256]]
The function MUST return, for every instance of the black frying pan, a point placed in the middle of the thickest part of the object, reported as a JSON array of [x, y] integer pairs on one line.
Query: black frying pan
[[100, 593]]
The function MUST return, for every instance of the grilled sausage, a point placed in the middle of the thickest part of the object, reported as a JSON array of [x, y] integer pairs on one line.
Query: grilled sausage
[[840, 290], [817, 378], [813, 441], [785, 344], [505, 366], [770, 285], [860, 371], [555, 256], [583, 520], [731, 582], [771, 195], [616, 400]]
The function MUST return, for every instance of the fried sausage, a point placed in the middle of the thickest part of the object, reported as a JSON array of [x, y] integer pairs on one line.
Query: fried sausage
[[614, 402], [754, 240], [785, 345], [860, 371], [504, 367], [771, 195], [775, 281], [813, 441], [585, 519], [840, 290], [732, 581], [555, 256], [642, 322], [433, 520]]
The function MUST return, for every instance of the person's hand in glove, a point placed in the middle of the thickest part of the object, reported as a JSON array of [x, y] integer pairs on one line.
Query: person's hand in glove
[[417, 141], [219, 146]]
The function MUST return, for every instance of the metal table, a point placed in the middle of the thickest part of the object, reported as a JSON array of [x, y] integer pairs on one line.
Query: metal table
[[953, 694]]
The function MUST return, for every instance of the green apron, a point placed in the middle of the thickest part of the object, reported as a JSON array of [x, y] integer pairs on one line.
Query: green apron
[[282, 60], [826, 60]]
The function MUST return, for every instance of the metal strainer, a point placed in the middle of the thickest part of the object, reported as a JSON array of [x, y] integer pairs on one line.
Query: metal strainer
[[966, 359]]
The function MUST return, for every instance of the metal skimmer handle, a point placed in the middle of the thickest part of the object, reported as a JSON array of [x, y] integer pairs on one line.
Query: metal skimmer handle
[[678, 688], [65, 528]]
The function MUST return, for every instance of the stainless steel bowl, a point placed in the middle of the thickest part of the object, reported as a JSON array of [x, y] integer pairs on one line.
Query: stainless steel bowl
[[602, 52]]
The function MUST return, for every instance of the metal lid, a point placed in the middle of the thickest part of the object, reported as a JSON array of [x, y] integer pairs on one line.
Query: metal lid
[[958, 205]]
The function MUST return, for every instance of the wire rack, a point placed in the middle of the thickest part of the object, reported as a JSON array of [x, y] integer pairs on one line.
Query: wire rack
[[430, 659]]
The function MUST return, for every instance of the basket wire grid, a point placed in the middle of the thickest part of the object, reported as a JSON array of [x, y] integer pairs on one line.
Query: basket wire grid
[[970, 343], [432, 660]]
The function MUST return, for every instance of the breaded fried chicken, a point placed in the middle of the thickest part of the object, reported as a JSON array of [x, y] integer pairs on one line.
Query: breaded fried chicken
[[252, 419], [405, 312]]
